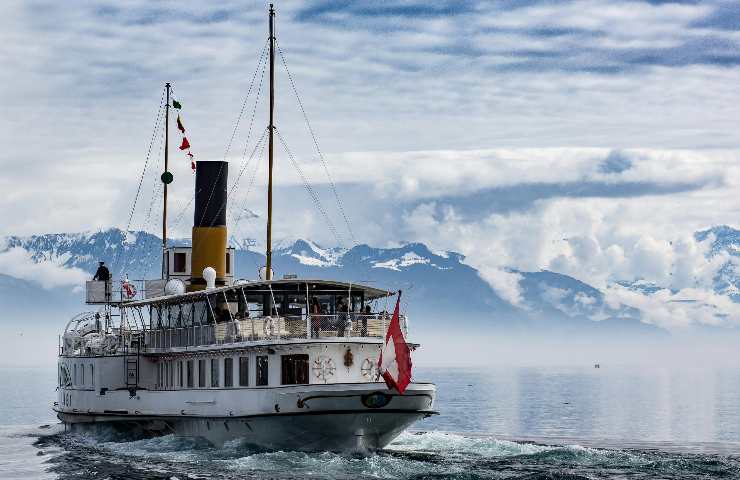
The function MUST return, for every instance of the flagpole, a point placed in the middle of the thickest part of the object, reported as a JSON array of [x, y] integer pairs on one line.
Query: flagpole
[[268, 272], [165, 270]]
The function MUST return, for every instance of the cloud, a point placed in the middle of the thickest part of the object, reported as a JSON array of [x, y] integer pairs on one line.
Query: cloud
[[19, 263]]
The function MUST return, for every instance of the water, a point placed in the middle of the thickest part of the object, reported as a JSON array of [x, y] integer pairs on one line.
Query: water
[[528, 423]]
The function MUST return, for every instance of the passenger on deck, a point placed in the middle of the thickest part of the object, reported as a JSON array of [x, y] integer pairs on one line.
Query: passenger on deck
[[103, 275], [315, 313], [366, 312], [341, 316]]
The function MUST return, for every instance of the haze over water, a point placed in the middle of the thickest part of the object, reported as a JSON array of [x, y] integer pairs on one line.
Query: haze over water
[[498, 422]]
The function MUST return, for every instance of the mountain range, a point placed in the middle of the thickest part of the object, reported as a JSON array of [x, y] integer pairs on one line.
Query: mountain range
[[440, 288]]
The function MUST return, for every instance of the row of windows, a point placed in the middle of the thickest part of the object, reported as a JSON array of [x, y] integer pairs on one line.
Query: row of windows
[[183, 374], [82, 375]]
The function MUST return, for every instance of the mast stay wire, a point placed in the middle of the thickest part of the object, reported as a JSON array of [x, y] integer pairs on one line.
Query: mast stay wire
[[316, 145], [309, 189], [237, 222], [244, 104], [220, 170], [244, 164], [155, 129], [155, 197]]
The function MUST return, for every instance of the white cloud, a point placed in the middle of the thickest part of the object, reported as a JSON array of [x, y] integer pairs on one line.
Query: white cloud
[[18, 263]]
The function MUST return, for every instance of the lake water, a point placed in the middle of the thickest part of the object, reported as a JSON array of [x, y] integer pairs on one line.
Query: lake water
[[530, 423]]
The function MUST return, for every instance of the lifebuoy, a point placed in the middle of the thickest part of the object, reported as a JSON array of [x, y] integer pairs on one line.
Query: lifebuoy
[[370, 370], [129, 289], [268, 326], [324, 368]]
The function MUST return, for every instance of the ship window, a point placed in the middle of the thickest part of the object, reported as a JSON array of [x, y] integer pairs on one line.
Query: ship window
[[179, 374], [180, 260], [82, 374], [254, 305], [172, 374], [214, 372], [74, 381], [228, 262], [261, 378], [243, 371], [190, 374], [228, 372], [294, 369], [92, 375], [201, 373]]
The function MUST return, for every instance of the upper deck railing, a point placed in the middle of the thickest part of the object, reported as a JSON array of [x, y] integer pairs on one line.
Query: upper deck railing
[[122, 291], [260, 329], [91, 339]]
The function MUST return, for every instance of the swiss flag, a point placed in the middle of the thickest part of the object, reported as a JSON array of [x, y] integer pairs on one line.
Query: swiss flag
[[395, 359]]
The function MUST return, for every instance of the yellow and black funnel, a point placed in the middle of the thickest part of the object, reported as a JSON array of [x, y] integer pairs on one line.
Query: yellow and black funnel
[[209, 223]]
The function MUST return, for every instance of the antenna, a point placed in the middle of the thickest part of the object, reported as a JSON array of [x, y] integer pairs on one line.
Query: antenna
[[271, 128]]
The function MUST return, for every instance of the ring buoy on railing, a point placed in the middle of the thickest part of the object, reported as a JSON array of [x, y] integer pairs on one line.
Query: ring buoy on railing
[[129, 289], [269, 326], [369, 369], [324, 368]]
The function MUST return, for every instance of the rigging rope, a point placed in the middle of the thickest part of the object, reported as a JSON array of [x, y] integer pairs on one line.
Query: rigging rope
[[244, 164], [309, 189], [251, 182], [316, 145], [157, 192], [246, 144], [244, 104], [155, 129]]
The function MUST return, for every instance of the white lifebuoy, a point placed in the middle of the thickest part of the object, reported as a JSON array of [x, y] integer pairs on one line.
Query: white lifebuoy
[[268, 326], [370, 370], [129, 289], [324, 368]]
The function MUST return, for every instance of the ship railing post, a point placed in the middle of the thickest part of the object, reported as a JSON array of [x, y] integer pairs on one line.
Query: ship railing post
[[308, 315]]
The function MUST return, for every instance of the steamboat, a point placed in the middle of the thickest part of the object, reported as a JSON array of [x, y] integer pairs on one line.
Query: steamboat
[[290, 363]]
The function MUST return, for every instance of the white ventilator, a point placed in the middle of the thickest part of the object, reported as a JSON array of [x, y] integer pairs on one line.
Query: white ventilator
[[209, 275]]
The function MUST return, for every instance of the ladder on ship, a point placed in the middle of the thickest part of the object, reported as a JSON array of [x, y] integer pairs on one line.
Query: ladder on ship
[[131, 355]]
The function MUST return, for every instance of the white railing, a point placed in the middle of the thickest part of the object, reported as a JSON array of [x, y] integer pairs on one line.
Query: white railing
[[118, 291], [348, 325]]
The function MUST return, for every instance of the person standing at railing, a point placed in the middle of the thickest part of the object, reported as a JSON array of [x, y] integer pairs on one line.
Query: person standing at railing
[[315, 313], [366, 312], [342, 316], [103, 275]]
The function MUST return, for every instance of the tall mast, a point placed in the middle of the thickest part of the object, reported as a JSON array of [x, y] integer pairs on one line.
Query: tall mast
[[268, 273], [166, 155]]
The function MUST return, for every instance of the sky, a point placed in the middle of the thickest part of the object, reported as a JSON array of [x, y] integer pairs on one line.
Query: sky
[[591, 138]]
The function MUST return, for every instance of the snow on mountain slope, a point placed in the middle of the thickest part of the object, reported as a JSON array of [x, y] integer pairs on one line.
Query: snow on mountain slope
[[725, 241], [438, 286]]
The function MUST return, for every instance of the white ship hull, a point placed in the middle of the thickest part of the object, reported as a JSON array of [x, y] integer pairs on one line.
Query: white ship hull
[[337, 417]]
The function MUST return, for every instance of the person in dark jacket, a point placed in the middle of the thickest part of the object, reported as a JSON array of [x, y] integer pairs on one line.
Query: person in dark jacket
[[103, 275]]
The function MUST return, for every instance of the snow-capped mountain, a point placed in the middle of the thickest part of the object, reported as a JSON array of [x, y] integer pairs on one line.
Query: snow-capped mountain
[[439, 286], [724, 241]]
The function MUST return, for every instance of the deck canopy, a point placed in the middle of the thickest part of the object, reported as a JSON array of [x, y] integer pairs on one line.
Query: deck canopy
[[274, 287]]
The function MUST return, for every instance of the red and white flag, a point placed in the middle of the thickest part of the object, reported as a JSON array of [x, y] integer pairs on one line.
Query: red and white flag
[[395, 359]]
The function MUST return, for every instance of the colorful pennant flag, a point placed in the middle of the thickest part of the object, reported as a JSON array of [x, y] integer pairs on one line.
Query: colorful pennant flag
[[180, 126], [176, 104], [185, 144]]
